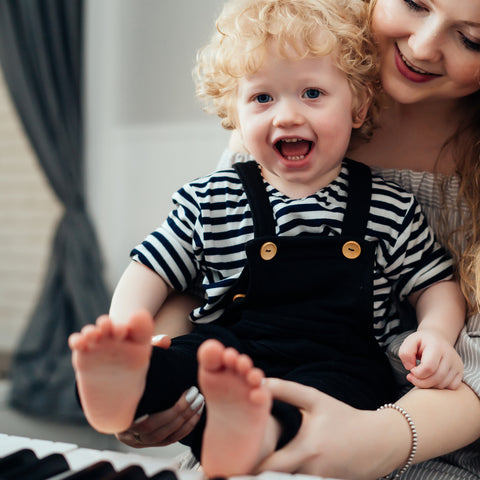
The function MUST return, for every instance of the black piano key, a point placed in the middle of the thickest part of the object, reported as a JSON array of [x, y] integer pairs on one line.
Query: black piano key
[[97, 471], [20, 458], [43, 469], [164, 475], [133, 472]]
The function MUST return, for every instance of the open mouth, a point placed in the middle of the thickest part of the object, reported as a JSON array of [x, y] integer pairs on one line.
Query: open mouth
[[293, 148]]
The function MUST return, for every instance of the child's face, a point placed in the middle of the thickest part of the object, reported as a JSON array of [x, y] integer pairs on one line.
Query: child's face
[[295, 118]]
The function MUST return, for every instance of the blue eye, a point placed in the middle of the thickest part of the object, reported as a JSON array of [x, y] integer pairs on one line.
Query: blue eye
[[312, 93], [263, 98]]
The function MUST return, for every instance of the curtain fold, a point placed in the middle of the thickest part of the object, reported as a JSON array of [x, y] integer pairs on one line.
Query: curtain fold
[[41, 49]]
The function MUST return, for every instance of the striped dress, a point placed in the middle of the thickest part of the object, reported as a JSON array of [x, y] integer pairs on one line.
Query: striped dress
[[464, 463], [206, 232]]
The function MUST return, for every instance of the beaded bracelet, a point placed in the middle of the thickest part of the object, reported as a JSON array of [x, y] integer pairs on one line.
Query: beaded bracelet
[[413, 430]]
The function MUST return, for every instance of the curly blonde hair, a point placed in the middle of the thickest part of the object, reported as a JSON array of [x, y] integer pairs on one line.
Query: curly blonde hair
[[299, 28]]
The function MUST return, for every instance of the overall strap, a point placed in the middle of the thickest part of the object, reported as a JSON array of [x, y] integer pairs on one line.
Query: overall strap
[[262, 213], [359, 199]]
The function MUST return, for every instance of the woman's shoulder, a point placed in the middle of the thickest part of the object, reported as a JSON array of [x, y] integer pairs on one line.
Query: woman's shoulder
[[230, 157], [430, 189]]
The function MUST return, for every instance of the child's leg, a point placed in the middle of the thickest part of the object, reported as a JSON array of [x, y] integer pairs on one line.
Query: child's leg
[[111, 363], [240, 430]]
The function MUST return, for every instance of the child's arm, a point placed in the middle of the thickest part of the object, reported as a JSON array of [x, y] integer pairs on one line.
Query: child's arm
[[441, 315], [139, 288]]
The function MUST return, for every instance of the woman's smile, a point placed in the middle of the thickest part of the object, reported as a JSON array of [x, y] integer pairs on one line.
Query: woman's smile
[[410, 71]]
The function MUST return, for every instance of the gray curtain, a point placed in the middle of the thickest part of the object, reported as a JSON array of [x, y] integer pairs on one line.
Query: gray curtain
[[41, 58]]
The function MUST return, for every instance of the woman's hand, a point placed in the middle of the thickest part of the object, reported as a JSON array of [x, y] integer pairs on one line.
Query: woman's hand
[[336, 440], [167, 427]]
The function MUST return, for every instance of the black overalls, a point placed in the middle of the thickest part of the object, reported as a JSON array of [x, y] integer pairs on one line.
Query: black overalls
[[302, 309]]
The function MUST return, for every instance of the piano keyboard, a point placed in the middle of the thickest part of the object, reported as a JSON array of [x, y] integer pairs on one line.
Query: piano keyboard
[[23, 458]]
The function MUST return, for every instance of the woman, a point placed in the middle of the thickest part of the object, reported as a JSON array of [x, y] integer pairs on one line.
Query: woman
[[427, 141]]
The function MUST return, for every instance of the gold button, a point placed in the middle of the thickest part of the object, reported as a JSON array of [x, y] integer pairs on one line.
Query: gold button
[[238, 296], [351, 249], [268, 250]]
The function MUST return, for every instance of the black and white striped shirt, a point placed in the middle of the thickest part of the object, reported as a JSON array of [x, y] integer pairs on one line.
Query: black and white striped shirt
[[205, 235]]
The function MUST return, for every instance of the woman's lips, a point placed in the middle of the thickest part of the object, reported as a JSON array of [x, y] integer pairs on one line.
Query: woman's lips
[[410, 72]]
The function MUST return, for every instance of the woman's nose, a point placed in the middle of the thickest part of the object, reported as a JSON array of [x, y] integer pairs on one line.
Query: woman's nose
[[425, 42]]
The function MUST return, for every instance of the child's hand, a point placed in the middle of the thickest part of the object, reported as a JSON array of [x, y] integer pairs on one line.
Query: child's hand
[[440, 365]]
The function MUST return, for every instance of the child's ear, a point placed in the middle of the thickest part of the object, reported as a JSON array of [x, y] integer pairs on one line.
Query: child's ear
[[361, 112]]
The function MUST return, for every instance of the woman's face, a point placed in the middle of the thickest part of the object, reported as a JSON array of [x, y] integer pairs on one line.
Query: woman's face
[[430, 48]]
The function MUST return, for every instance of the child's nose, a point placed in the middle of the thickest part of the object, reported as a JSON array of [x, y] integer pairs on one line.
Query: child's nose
[[288, 114]]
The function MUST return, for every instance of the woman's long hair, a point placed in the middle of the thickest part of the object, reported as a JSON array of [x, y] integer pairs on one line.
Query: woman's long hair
[[465, 145]]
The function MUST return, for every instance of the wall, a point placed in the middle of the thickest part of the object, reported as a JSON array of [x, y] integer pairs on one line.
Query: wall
[[146, 133]]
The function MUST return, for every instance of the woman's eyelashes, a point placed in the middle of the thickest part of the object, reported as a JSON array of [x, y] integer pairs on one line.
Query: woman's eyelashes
[[413, 6], [469, 44]]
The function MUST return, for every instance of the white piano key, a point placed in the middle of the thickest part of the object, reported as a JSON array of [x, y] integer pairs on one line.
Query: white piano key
[[42, 448], [150, 465]]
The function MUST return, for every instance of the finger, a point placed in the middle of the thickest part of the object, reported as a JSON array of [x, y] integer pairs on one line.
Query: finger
[[452, 377], [429, 364], [420, 382], [174, 431], [409, 351], [129, 438], [294, 393], [436, 379], [183, 431], [172, 423], [162, 341], [456, 382], [287, 459]]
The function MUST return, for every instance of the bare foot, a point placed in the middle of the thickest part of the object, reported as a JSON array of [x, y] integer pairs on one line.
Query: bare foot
[[111, 363], [238, 411]]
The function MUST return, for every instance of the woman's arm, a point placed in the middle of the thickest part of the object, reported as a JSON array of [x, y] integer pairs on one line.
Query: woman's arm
[[445, 419], [337, 440]]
